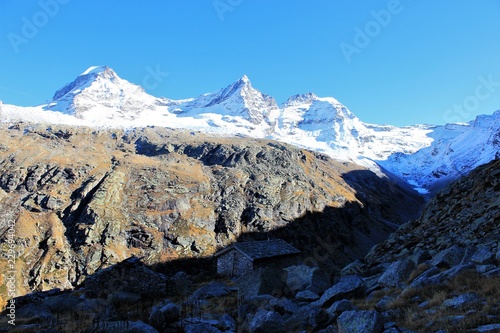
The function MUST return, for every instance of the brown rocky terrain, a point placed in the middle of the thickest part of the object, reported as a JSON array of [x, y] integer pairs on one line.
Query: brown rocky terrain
[[438, 273], [85, 199]]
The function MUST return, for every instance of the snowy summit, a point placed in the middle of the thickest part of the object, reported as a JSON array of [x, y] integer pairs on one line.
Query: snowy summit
[[422, 155]]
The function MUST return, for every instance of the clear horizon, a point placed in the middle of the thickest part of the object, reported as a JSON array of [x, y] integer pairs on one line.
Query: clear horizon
[[397, 62]]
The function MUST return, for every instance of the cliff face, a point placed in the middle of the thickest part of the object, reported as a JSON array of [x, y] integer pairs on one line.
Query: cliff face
[[84, 199]]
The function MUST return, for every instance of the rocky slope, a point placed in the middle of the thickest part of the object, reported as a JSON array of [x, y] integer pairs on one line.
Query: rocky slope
[[440, 273], [84, 199], [466, 213]]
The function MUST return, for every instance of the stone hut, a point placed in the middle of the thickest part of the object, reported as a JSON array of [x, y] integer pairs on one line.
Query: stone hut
[[243, 257]]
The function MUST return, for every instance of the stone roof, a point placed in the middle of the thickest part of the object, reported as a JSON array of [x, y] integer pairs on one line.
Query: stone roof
[[262, 249]]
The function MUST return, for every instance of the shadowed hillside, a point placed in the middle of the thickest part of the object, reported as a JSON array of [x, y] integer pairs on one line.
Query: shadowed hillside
[[84, 199]]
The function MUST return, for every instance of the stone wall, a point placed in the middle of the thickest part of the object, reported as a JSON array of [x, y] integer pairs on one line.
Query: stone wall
[[233, 263]]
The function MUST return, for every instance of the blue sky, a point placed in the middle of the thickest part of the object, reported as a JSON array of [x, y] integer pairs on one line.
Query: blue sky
[[397, 62]]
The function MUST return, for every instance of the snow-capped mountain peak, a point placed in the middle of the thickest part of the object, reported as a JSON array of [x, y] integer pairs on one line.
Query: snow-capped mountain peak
[[238, 89], [84, 80], [422, 155], [238, 103], [99, 94]]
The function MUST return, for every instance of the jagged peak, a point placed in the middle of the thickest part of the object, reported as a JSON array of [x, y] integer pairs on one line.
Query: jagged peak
[[301, 98], [234, 88], [243, 81]]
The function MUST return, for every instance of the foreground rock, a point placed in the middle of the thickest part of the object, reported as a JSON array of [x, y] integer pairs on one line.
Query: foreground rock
[[360, 322], [348, 286]]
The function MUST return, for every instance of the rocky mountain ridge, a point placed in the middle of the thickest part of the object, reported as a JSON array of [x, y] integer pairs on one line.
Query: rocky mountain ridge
[[427, 157]]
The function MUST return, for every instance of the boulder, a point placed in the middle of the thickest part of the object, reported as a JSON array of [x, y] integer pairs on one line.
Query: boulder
[[491, 328], [348, 286], [270, 281], [481, 269], [423, 279], [470, 249], [211, 290], [138, 327], [283, 306], [450, 273], [384, 303], [302, 277], [306, 296], [461, 301], [397, 274], [360, 321], [420, 256], [354, 268], [266, 322], [434, 276], [164, 314], [450, 257], [259, 301], [340, 306], [337, 308], [483, 256], [307, 318], [226, 323], [178, 285]]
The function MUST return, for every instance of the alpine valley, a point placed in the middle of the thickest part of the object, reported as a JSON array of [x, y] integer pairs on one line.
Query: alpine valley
[[117, 208]]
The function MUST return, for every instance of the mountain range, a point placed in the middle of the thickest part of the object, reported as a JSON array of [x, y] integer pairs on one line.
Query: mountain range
[[425, 156]]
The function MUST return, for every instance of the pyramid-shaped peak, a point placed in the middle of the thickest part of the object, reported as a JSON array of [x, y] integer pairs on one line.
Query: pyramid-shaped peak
[[85, 79], [242, 82]]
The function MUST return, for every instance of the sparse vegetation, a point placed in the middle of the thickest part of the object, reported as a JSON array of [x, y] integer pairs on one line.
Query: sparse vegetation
[[422, 309]]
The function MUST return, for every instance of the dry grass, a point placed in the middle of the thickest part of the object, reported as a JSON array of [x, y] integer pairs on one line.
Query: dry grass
[[434, 316], [419, 270]]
